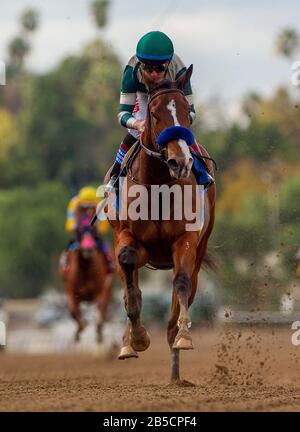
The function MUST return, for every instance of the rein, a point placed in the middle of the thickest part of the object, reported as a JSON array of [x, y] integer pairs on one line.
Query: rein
[[152, 153], [134, 180]]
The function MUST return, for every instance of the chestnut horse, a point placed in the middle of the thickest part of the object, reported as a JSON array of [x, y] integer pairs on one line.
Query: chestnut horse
[[163, 243], [87, 279]]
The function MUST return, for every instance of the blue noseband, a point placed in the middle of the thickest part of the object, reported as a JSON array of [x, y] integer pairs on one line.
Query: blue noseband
[[175, 133]]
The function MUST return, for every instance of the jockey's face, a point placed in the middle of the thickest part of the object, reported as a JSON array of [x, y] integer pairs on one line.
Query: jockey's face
[[87, 210], [154, 73]]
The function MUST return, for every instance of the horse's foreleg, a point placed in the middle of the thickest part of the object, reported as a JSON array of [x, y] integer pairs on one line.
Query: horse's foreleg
[[172, 332], [184, 257], [102, 301], [129, 258], [178, 312], [74, 308]]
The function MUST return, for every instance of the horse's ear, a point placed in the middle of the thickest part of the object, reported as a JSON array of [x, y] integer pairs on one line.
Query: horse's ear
[[184, 78]]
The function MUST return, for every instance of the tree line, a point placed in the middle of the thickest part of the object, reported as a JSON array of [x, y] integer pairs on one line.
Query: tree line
[[58, 132]]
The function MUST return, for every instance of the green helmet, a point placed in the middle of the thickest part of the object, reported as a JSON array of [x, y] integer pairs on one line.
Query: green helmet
[[154, 47]]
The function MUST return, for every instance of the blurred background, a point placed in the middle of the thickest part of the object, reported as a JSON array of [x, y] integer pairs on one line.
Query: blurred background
[[59, 132]]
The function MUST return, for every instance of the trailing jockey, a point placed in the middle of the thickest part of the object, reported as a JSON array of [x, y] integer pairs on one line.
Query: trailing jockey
[[153, 62], [82, 206]]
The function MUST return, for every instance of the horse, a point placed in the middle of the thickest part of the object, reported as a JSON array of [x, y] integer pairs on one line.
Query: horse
[[87, 279], [163, 243]]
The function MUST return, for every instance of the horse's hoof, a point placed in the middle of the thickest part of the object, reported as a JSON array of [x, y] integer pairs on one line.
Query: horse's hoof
[[81, 327], [183, 344], [99, 334], [140, 340], [99, 337], [127, 352]]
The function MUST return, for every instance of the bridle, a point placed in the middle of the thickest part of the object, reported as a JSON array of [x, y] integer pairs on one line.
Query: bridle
[[160, 153]]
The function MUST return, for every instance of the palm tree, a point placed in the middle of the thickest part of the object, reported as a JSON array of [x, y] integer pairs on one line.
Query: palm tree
[[30, 20], [99, 11], [287, 42], [18, 48]]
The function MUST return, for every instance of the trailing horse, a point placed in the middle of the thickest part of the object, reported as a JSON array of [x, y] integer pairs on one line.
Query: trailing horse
[[164, 160], [87, 279]]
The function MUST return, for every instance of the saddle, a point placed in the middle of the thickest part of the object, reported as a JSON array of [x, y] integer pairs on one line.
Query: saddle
[[130, 157]]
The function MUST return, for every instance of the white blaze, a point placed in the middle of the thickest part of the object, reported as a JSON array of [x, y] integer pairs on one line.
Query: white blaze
[[172, 107], [182, 144]]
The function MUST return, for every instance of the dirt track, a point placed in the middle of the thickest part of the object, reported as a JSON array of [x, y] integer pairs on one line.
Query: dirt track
[[241, 369]]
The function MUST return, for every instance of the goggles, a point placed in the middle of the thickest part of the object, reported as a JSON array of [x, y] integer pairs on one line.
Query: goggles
[[154, 67]]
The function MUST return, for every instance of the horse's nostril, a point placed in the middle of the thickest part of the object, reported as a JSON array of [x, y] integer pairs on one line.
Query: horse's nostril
[[173, 164]]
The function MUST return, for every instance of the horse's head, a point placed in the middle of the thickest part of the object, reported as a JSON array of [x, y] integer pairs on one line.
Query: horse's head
[[169, 125], [87, 242]]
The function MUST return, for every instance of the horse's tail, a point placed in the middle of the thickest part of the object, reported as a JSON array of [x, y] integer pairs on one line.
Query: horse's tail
[[211, 262]]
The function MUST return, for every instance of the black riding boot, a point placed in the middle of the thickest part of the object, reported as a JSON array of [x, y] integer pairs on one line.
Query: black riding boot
[[128, 140]]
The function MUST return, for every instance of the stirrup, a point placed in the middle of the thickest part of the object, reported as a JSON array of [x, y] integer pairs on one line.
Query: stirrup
[[112, 184]]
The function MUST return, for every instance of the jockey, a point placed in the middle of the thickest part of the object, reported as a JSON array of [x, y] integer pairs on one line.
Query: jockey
[[84, 205], [154, 61]]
